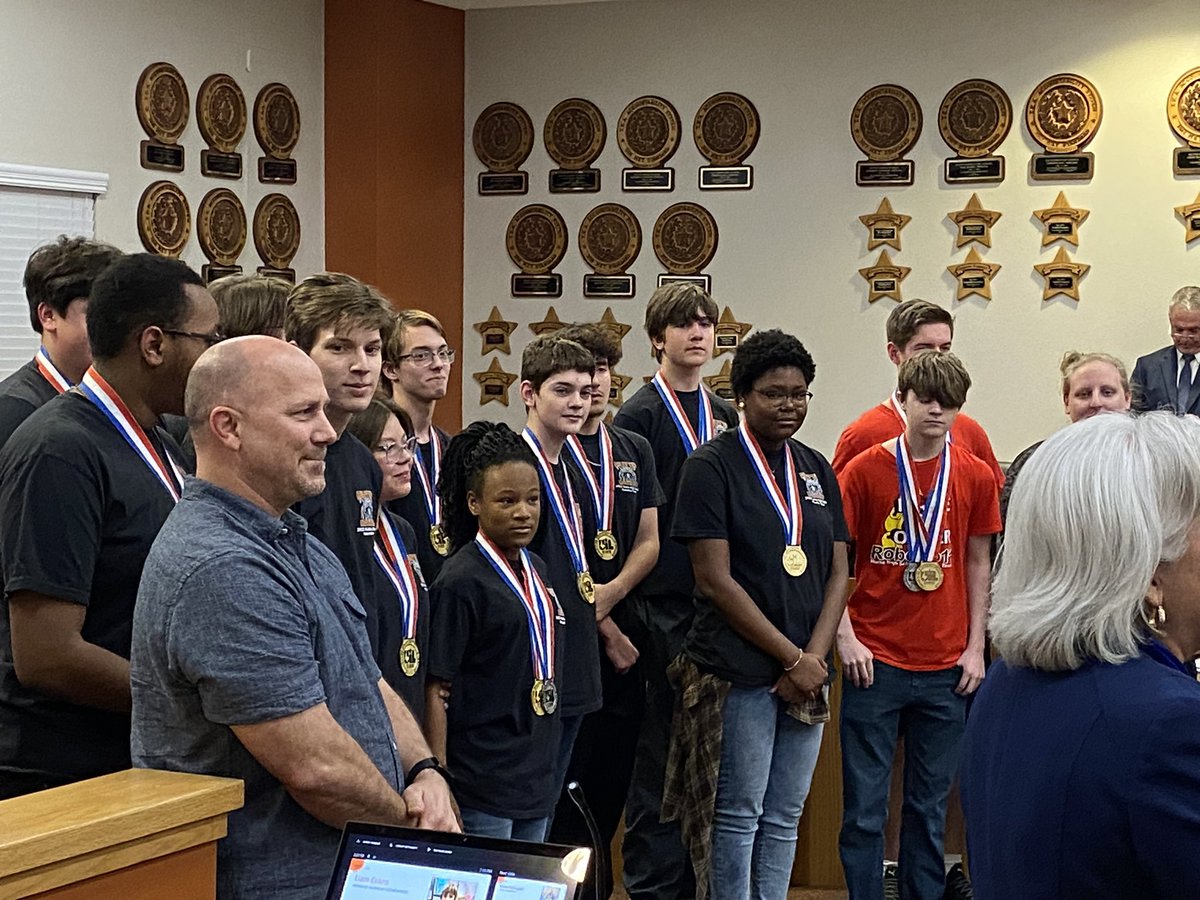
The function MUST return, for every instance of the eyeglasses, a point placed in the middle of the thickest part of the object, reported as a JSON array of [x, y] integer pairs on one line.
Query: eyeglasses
[[395, 450], [209, 338], [425, 357], [780, 398]]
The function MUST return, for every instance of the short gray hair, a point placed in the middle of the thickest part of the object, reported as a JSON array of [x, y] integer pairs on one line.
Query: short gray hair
[[1098, 506], [1187, 298]]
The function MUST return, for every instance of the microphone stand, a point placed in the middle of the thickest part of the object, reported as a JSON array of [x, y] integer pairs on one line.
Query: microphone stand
[[602, 866]]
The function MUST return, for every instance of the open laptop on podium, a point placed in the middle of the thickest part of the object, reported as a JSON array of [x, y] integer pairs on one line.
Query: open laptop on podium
[[380, 862]]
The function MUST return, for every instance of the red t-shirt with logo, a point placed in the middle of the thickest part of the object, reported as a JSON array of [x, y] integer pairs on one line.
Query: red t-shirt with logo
[[926, 630]]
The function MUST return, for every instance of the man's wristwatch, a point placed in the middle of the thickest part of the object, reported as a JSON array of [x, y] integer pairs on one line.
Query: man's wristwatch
[[429, 762]]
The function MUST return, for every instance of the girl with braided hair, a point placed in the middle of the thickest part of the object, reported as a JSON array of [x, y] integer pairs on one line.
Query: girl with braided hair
[[495, 636]]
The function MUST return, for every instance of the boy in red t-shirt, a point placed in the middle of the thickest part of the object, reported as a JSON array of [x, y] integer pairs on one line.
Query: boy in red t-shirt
[[921, 511]]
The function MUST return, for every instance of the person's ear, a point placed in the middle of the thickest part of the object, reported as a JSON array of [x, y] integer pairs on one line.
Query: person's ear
[[226, 427], [150, 342], [473, 504]]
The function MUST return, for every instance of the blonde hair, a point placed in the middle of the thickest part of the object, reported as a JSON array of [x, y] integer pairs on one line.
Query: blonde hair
[[407, 319], [1073, 361]]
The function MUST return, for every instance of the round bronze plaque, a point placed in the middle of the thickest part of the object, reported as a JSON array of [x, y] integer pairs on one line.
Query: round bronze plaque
[[536, 238], [276, 120], [164, 219], [1183, 107], [610, 238], [503, 137], [648, 132], [221, 112], [1063, 113], [276, 230], [574, 133], [685, 238], [975, 117], [162, 102], [221, 226], [726, 129], [886, 122]]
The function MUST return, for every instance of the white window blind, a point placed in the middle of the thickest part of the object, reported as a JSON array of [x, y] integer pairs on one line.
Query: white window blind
[[36, 206]]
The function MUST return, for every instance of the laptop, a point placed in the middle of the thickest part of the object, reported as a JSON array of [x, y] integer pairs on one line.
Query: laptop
[[380, 862]]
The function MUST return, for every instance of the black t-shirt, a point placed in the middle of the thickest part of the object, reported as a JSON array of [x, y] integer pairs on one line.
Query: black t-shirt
[[20, 394], [645, 413], [502, 754], [81, 510], [413, 510], [410, 687], [636, 489], [342, 517], [580, 691], [720, 497]]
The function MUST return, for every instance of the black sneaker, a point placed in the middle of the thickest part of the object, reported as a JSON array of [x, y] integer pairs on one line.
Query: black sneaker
[[958, 886], [891, 882]]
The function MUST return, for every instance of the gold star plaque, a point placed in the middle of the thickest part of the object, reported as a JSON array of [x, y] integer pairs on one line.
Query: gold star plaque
[[1061, 221], [609, 322], [974, 223], [551, 323], [884, 278], [721, 384], [495, 331], [974, 276], [729, 332], [494, 384], [616, 391], [1062, 275], [884, 226], [1191, 219]]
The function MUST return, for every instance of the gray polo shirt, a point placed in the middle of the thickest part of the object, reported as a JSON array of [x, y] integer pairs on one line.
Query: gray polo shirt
[[242, 618]]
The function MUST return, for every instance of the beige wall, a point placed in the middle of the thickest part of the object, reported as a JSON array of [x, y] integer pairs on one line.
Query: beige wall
[[791, 248], [68, 71]]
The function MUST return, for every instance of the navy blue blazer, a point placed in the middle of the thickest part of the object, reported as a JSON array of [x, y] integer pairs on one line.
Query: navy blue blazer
[[1155, 377], [1085, 784]]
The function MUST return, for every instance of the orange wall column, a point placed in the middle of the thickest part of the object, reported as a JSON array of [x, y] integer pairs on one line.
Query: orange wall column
[[394, 157]]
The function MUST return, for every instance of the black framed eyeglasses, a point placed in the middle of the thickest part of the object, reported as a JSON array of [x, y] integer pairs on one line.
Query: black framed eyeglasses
[[425, 357], [210, 338], [779, 398]]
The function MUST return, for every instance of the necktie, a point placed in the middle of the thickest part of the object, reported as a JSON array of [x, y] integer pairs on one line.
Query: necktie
[[1183, 388]]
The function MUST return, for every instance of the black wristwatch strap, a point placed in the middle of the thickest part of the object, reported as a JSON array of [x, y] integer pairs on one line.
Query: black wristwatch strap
[[429, 762]]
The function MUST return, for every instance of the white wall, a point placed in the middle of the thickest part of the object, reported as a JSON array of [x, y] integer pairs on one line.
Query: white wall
[[790, 249], [69, 70]]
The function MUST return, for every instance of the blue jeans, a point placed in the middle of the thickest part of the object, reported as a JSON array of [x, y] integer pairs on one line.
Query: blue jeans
[[923, 708], [570, 731], [767, 762], [484, 824]]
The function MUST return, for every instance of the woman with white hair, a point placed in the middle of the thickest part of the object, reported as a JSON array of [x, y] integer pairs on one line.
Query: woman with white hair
[[1081, 777]]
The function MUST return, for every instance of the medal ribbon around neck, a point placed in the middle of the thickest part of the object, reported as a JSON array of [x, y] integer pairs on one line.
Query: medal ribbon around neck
[[433, 503], [786, 507], [601, 490], [539, 608], [898, 409], [57, 380], [392, 556], [101, 393], [564, 511], [692, 437], [922, 525]]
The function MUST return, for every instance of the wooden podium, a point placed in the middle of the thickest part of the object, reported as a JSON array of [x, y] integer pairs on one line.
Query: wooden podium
[[119, 837]]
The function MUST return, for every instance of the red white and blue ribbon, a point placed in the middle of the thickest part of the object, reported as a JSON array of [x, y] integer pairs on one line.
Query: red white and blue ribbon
[[101, 393], [786, 506], [600, 488], [392, 556], [539, 608], [564, 509], [692, 437], [433, 503], [898, 409], [922, 525], [57, 380]]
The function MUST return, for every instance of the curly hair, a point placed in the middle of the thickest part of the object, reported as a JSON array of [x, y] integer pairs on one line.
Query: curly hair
[[470, 453], [764, 351]]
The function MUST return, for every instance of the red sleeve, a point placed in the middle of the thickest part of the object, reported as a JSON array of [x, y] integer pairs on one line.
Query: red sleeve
[[985, 502], [975, 439]]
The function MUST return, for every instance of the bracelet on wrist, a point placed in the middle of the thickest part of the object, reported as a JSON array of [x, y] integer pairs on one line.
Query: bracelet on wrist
[[794, 664], [429, 762]]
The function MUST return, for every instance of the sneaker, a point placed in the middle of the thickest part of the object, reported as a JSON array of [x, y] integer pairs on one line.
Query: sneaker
[[891, 882], [958, 886]]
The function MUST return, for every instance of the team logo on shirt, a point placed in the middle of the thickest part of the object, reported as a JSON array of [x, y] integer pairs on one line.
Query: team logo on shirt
[[719, 426], [813, 491], [366, 511], [892, 547], [627, 476]]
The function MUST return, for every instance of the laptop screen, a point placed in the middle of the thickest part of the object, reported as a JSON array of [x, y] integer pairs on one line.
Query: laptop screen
[[379, 862]]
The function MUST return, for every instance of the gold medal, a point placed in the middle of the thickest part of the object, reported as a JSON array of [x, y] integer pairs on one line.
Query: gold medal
[[929, 576], [795, 561], [606, 544], [587, 587], [410, 657], [440, 540], [544, 697]]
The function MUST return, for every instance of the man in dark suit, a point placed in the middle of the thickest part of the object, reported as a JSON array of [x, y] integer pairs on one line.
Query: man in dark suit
[[1167, 378]]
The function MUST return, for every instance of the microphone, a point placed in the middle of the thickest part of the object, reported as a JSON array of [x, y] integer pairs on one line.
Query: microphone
[[575, 792]]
